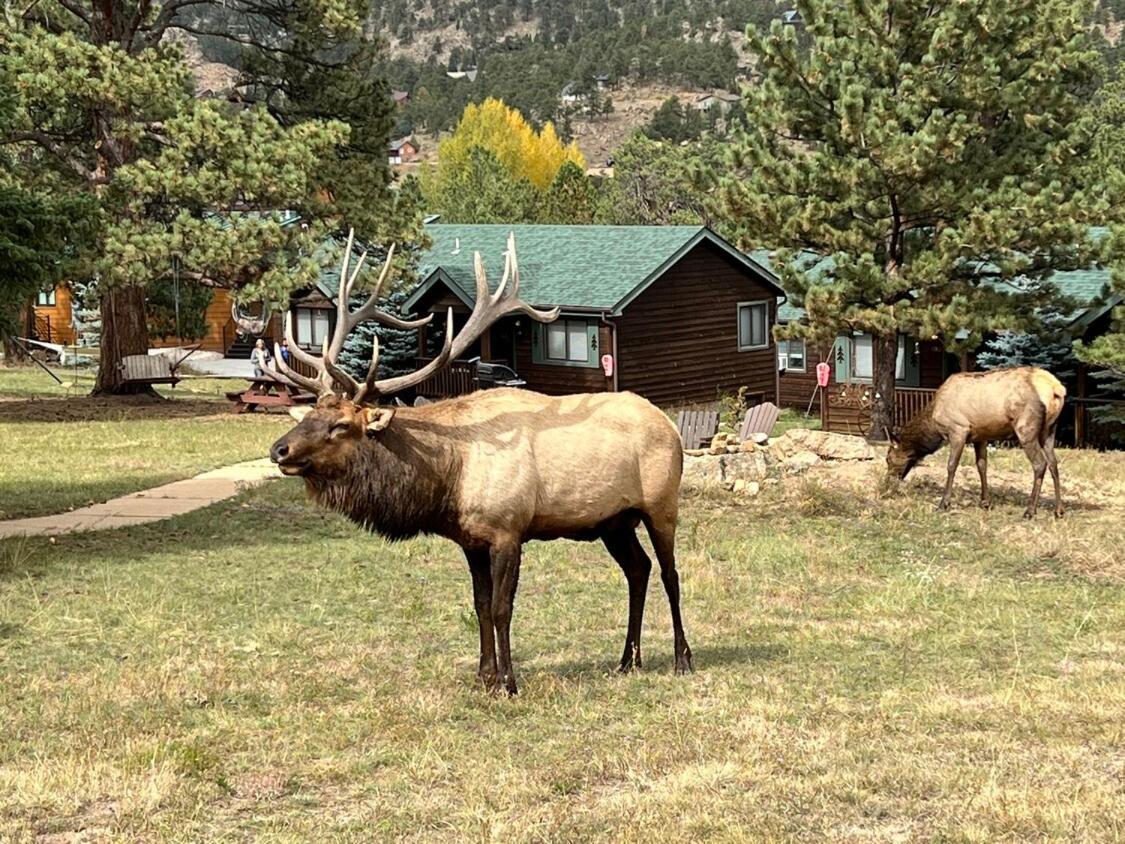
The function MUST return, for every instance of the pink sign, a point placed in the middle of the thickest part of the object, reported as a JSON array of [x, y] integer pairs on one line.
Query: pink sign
[[607, 365], [822, 370]]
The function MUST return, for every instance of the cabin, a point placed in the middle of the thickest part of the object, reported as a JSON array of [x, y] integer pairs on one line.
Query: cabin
[[674, 313], [923, 364], [402, 151], [721, 100]]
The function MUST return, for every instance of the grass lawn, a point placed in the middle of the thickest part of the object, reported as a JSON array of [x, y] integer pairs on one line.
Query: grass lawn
[[70, 452], [867, 669]]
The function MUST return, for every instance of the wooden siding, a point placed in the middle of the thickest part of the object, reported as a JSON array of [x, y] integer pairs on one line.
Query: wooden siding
[[62, 329], [560, 380], [678, 341], [220, 327]]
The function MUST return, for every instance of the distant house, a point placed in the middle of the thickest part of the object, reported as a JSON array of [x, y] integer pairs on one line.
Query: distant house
[[792, 17], [402, 151], [400, 98], [923, 364], [722, 100], [602, 80], [570, 94], [469, 74], [682, 315]]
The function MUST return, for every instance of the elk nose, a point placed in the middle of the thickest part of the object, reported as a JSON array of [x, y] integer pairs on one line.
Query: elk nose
[[279, 451]]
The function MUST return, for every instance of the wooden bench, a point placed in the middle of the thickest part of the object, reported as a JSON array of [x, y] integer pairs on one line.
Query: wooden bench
[[267, 392], [153, 369], [697, 427]]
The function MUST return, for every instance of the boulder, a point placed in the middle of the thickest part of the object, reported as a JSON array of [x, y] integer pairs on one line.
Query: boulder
[[725, 469], [801, 461], [759, 438], [824, 444]]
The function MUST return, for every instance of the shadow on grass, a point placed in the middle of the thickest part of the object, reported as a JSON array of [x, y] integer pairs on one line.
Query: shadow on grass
[[968, 497], [658, 659], [106, 409]]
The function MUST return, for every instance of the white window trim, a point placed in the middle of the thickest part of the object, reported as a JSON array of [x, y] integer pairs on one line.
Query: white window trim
[[564, 324], [309, 343], [804, 354], [900, 355], [738, 321]]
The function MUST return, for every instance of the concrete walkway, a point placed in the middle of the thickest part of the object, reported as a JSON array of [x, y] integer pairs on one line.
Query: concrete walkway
[[151, 505]]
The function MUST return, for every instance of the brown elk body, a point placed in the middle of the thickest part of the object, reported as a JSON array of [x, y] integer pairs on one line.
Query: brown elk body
[[495, 469], [978, 408]]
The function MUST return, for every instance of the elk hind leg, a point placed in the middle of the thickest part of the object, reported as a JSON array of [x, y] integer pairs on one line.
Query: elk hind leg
[[1053, 465], [1030, 429], [505, 569], [956, 448], [621, 542], [481, 571], [981, 450], [662, 531]]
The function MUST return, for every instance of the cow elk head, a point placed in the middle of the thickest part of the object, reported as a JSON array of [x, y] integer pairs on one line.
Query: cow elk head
[[347, 410]]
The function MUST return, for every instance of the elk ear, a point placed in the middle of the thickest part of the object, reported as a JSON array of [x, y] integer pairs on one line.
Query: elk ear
[[300, 413], [378, 418], [891, 438]]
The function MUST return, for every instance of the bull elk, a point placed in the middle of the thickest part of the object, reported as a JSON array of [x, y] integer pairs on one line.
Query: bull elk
[[977, 408], [490, 470]]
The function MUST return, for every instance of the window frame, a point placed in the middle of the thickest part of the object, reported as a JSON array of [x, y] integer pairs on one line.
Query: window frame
[[540, 342], [46, 299], [310, 343], [787, 345], [755, 303], [900, 358]]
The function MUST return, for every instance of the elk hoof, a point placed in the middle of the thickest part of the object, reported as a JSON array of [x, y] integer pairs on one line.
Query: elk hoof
[[986, 505], [1059, 513], [628, 666], [1029, 514], [683, 663], [943, 505]]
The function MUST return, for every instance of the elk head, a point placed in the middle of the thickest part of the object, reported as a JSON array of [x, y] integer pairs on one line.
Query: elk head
[[900, 458], [326, 438]]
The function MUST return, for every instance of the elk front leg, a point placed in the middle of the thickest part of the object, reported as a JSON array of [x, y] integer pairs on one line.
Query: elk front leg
[[981, 450], [956, 447], [480, 567], [505, 568]]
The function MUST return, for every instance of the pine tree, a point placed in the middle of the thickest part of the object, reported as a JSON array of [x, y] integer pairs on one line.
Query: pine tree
[[571, 199], [397, 349], [87, 314], [933, 150], [203, 184]]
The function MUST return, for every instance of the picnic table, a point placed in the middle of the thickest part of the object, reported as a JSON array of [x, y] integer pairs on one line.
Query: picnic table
[[266, 391]]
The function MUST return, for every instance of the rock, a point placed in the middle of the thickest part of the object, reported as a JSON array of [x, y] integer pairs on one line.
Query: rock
[[759, 438], [695, 452], [801, 461], [725, 469], [719, 440], [732, 449], [748, 446], [824, 444], [739, 487]]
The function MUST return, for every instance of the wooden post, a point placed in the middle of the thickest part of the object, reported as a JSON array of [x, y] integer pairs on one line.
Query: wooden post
[[1080, 408], [486, 346], [422, 336]]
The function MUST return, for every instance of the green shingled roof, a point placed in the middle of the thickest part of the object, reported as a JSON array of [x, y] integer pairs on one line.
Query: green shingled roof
[[582, 267]]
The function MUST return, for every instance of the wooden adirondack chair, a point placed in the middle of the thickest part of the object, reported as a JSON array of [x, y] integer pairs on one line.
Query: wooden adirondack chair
[[759, 419], [697, 427]]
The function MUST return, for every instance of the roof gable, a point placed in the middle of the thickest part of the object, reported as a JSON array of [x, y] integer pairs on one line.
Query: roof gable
[[581, 267]]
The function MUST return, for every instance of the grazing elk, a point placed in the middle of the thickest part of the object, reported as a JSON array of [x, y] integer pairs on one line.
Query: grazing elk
[[977, 408], [490, 470]]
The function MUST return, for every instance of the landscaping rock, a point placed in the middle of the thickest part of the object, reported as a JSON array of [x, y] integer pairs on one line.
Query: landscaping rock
[[824, 444], [759, 438], [801, 461], [725, 469]]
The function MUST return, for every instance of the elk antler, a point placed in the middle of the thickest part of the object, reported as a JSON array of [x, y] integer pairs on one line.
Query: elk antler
[[488, 308]]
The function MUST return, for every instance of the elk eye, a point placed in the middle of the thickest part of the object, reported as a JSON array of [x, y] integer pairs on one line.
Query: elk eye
[[339, 428]]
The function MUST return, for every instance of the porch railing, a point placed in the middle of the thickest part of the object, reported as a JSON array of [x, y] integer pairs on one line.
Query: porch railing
[[846, 408], [910, 400], [43, 328], [457, 379]]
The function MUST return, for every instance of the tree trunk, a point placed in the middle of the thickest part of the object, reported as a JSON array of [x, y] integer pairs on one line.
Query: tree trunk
[[124, 332], [885, 356], [13, 352]]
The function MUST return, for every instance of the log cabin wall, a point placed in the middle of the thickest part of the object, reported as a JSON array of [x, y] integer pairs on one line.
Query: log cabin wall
[[678, 341], [58, 316]]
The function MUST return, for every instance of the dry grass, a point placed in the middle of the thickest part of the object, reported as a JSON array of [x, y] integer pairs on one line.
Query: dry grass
[[65, 453], [866, 670]]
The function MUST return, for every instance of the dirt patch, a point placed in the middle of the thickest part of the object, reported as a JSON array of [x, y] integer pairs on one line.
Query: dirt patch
[[106, 408]]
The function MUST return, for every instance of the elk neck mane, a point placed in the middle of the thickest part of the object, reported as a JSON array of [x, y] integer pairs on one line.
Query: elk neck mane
[[921, 435], [397, 485]]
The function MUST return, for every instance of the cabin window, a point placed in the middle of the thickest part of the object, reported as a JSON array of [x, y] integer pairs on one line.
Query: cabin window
[[568, 341], [46, 298], [863, 358], [791, 355], [753, 326], [312, 327]]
